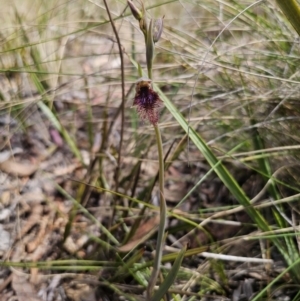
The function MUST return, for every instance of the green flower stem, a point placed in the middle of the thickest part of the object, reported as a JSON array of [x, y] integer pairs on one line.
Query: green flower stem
[[163, 216], [150, 73], [161, 166], [150, 48], [291, 10]]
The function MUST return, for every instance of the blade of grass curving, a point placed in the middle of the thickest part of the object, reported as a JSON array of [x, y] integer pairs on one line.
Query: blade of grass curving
[[297, 297], [291, 10], [169, 280], [52, 117], [56, 123]]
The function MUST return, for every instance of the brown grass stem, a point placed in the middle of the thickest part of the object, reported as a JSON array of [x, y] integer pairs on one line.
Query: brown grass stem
[[123, 93]]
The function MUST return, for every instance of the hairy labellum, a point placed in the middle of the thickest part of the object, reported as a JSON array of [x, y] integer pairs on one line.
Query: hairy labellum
[[147, 101]]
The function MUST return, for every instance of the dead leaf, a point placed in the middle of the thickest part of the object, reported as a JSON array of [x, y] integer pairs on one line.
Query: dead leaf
[[175, 192], [79, 292], [17, 168], [23, 288], [65, 170], [10, 166], [142, 234]]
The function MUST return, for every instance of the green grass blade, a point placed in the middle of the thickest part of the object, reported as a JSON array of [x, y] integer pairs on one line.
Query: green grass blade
[[291, 10], [170, 278], [56, 123], [265, 289], [225, 176]]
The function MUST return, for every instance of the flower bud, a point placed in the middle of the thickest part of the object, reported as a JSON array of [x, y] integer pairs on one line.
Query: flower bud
[[158, 29], [134, 10]]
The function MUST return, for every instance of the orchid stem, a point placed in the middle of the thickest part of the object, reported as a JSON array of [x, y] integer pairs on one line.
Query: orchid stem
[[163, 216], [146, 106]]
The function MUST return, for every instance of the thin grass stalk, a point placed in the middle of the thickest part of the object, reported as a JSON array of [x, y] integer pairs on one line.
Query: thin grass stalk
[[123, 93], [89, 111], [170, 277], [278, 278]]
